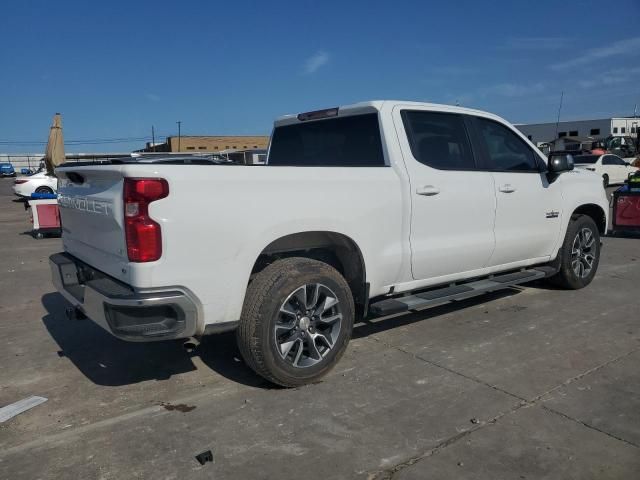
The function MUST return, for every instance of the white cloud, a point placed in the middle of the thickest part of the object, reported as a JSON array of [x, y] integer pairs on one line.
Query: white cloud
[[611, 77], [537, 43], [452, 70], [315, 61], [512, 90], [152, 97], [629, 46]]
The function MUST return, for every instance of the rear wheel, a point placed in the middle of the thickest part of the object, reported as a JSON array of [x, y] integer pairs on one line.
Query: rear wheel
[[605, 180], [579, 255], [44, 190], [296, 321]]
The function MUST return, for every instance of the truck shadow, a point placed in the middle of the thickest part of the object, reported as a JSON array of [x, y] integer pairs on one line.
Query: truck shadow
[[106, 360]]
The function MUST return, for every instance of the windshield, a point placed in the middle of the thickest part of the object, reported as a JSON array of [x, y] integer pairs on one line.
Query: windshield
[[586, 158]]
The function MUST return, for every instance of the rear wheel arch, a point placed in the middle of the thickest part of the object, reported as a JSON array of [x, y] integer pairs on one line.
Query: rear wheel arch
[[333, 248]]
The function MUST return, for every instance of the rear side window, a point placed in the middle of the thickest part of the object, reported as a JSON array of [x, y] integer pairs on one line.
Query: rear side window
[[586, 158], [506, 151], [339, 142], [612, 160], [438, 140]]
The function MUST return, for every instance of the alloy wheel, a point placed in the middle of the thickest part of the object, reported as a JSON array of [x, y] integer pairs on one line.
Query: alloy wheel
[[583, 252], [308, 325]]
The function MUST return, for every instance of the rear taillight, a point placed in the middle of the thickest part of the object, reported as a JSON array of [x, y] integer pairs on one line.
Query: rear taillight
[[20, 181], [144, 238]]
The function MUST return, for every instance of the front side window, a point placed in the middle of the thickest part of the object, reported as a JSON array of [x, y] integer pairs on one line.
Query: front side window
[[615, 129], [352, 141], [438, 140], [506, 151]]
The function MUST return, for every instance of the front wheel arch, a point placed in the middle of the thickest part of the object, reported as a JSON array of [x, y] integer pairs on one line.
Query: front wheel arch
[[596, 213]]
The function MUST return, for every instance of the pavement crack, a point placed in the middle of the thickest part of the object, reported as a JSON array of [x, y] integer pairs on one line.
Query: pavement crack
[[588, 425], [455, 372], [389, 473], [584, 374]]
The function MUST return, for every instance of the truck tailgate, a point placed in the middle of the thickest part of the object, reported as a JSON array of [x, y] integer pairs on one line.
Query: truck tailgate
[[91, 212]]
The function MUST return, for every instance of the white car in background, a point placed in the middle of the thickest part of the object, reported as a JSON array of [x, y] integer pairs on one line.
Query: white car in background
[[37, 183], [611, 168]]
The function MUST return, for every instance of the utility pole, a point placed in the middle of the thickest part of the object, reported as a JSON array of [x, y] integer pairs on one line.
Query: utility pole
[[559, 110], [153, 139], [179, 134]]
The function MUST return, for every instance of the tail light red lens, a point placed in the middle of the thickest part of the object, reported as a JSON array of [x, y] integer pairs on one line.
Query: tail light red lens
[[143, 234], [20, 182]]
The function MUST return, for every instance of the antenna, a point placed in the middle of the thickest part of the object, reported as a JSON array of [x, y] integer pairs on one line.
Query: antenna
[[559, 110]]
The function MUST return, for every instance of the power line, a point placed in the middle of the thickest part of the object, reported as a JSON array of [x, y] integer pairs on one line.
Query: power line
[[95, 141]]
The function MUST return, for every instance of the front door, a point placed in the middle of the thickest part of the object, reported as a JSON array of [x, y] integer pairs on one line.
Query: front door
[[452, 202], [529, 207]]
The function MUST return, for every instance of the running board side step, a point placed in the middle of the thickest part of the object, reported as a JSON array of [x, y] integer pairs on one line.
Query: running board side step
[[457, 292]]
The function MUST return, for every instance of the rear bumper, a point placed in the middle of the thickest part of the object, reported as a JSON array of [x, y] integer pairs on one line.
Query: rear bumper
[[132, 315]]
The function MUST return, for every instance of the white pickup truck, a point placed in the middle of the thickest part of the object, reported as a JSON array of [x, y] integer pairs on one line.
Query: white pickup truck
[[367, 209]]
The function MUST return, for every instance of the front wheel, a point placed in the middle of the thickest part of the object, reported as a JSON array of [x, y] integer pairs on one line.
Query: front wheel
[[296, 321], [44, 190], [579, 255], [605, 180]]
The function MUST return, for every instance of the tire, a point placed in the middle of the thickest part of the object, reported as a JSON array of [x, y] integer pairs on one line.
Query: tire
[[277, 336], [605, 180], [43, 190], [573, 262]]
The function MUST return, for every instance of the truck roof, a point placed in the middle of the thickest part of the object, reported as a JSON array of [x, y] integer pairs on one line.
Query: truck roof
[[376, 105]]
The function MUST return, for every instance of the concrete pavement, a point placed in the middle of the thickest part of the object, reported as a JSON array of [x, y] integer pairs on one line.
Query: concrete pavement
[[527, 383]]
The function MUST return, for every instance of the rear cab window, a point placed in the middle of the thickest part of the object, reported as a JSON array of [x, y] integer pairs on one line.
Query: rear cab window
[[439, 139], [350, 141]]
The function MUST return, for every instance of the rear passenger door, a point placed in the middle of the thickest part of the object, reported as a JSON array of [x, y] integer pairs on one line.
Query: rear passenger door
[[528, 213], [452, 203]]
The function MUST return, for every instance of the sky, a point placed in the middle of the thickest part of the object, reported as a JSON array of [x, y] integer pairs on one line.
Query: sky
[[114, 69]]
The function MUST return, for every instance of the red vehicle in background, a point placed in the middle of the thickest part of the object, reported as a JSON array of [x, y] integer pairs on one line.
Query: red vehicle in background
[[626, 206]]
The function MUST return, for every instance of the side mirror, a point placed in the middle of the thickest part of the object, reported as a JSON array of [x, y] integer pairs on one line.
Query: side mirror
[[628, 164], [560, 163]]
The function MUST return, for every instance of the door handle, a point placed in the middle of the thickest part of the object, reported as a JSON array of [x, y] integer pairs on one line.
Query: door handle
[[507, 188], [428, 190]]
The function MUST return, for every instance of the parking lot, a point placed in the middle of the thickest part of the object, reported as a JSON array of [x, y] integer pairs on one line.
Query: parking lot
[[527, 383]]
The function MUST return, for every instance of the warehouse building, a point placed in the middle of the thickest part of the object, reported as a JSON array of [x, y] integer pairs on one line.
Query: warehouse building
[[193, 144], [600, 128]]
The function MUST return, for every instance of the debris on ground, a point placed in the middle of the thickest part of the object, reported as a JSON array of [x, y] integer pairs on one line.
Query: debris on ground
[[9, 411], [204, 457], [181, 407]]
